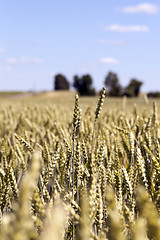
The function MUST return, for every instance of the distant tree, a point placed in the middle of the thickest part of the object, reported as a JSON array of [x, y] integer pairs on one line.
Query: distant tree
[[153, 94], [113, 87], [61, 82], [133, 88], [84, 85]]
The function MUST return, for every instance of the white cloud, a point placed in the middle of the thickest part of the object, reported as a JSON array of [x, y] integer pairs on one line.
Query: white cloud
[[2, 50], [11, 60], [127, 28], [24, 61], [5, 69], [108, 60], [112, 42], [141, 8]]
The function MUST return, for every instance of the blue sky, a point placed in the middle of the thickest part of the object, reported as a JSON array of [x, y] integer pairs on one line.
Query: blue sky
[[40, 38]]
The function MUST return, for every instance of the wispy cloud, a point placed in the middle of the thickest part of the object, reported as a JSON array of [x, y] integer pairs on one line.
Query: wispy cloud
[[5, 69], [111, 42], [88, 67], [141, 8], [24, 61], [108, 60], [2, 50], [127, 28]]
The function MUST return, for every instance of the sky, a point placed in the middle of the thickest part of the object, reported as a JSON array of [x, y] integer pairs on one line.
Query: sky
[[41, 38]]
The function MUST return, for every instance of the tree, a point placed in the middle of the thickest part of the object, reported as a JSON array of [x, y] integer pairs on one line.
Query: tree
[[60, 82], [84, 85], [133, 88], [153, 94], [112, 84]]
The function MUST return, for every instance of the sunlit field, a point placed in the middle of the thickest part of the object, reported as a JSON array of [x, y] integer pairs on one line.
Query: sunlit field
[[79, 168]]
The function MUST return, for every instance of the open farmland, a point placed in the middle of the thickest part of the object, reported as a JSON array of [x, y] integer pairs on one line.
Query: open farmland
[[72, 174]]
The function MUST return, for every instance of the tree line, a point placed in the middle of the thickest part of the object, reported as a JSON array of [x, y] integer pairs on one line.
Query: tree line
[[84, 85]]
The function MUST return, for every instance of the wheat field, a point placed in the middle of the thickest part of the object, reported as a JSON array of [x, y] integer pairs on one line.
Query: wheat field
[[79, 168]]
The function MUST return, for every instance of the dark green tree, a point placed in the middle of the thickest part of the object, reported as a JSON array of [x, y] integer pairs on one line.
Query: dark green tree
[[61, 82], [153, 94], [113, 87], [84, 85], [133, 88]]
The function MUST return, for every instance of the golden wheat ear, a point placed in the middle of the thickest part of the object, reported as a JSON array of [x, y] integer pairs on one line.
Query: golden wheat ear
[[20, 223], [98, 110], [149, 212], [56, 222]]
